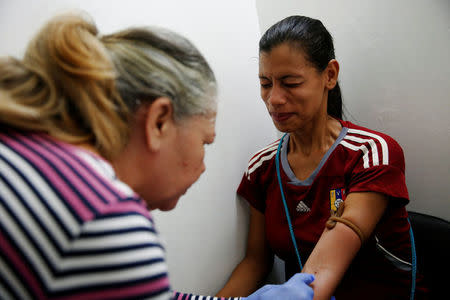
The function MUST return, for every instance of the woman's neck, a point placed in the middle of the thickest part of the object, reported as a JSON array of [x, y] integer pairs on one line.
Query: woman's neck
[[318, 136]]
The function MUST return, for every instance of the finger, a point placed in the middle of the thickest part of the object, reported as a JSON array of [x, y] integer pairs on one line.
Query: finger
[[302, 277], [263, 290]]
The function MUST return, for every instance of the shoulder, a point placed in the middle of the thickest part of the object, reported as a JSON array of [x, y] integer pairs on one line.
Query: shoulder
[[69, 176], [376, 148], [261, 160], [109, 193]]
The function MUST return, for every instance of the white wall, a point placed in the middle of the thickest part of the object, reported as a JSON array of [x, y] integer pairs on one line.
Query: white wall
[[206, 233], [395, 77]]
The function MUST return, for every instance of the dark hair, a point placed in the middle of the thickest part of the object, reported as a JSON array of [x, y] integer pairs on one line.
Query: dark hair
[[314, 39]]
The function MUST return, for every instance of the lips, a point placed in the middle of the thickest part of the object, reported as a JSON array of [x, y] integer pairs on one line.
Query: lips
[[280, 117]]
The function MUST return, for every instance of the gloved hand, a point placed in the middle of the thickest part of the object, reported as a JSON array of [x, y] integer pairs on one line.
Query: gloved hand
[[296, 288]]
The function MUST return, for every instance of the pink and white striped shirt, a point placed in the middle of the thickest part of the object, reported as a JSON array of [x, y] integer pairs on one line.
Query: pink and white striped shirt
[[70, 229]]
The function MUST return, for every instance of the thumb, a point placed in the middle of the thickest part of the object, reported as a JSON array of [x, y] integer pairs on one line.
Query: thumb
[[302, 277]]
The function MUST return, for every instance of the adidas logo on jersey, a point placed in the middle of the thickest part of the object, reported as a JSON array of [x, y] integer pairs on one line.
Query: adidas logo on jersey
[[302, 207]]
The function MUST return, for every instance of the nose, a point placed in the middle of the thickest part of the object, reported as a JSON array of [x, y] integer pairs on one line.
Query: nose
[[276, 96]]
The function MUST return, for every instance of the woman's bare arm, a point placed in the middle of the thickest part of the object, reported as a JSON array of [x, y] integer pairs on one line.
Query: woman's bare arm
[[251, 272], [337, 247]]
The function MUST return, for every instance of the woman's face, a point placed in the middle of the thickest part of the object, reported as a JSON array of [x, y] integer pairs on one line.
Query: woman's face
[[181, 162], [164, 157], [292, 88]]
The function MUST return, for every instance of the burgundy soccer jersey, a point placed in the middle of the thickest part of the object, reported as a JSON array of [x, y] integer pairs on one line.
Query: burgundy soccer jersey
[[360, 160]]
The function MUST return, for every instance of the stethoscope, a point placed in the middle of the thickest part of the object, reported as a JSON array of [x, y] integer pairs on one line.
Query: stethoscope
[[294, 242]]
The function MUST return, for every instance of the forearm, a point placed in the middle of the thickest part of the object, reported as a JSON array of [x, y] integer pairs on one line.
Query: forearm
[[330, 259], [246, 278], [338, 246]]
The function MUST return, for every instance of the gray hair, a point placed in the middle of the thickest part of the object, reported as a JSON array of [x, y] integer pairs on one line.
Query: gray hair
[[80, 88], [155, 62]]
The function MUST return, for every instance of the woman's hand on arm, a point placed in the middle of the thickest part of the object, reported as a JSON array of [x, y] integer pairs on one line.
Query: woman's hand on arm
[[251, 272], [296, 288], [338, 246]]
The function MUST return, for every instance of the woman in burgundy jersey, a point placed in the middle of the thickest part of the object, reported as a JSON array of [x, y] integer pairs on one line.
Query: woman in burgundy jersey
[[324, 163]]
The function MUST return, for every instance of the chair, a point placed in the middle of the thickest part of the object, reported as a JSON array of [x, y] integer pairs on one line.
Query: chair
[[432, 239]]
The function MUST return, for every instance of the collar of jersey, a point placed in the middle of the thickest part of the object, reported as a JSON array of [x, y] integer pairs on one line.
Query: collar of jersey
[[308, 181]]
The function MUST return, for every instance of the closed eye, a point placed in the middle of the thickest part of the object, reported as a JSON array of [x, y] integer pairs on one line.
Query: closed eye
[[292, 85]]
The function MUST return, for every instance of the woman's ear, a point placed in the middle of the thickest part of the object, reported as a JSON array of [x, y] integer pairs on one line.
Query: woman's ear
[[159, 122], [332, 73]]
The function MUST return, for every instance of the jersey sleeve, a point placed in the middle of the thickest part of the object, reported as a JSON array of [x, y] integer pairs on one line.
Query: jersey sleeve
[[379, 167], [254, 182], [251, 191]]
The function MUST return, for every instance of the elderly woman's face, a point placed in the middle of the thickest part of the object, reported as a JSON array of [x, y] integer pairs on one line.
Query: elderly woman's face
[[183, 159], [163, 158]]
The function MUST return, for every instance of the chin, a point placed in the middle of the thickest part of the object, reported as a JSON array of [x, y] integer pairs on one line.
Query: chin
[[283, 129], [167, 208], [168, 204]]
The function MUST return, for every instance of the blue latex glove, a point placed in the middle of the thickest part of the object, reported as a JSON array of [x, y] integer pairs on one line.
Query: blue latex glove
[[296, 288]]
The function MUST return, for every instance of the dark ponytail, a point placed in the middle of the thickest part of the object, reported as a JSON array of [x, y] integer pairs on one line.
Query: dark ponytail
[[314, 39]]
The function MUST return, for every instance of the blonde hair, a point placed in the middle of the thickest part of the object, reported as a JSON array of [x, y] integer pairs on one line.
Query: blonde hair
[[82, 88]]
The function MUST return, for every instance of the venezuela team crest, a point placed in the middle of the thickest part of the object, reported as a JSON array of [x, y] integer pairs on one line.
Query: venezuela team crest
[[336, 197]]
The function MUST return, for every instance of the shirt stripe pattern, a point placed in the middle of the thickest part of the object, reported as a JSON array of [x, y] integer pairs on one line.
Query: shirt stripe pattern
[[369, 144], [179, 296], [260, 157], [70, 230]]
